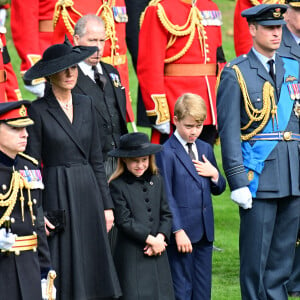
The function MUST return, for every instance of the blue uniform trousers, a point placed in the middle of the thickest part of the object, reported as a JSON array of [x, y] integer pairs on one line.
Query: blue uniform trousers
[[267, 243]]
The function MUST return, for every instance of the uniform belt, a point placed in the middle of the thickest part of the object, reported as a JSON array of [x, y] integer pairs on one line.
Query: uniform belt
[[23, 243], [46, 26], [116, 60], [2, 76], [277, 136], [190, 70]]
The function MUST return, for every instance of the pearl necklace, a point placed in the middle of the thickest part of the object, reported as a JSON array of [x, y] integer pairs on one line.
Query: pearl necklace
[[66, 106]]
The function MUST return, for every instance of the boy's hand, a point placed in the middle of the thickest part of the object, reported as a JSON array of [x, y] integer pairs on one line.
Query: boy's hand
[[183, 242], [206, 169]]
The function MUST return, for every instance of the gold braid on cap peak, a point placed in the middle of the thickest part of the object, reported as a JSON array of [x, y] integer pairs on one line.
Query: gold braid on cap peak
[[192, 26], [256, 115], [9, 199], [256, 2]]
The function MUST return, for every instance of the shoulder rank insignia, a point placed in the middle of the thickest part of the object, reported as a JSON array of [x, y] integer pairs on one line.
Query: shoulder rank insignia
[[33, 160]]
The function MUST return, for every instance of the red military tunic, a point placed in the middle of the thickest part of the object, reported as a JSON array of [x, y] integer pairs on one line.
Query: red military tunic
[[242, 37], [32, 29], [115, 17], [9, 89], [173, 60]]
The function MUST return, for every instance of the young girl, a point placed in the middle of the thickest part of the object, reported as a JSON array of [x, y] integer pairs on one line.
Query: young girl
[[143, 219]]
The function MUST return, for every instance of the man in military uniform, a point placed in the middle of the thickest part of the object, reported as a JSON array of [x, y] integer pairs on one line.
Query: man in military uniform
[[113, 12], [258, 119], [23, 245], [290, 47], [32, 33], [242, 37], [180, 50]]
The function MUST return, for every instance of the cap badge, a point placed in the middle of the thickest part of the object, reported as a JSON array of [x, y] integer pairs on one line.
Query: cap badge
[[22, 111], [277, 13]]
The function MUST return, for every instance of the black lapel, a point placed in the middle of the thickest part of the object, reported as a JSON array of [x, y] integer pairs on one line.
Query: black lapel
[[184, 158], [57, 113], [87, 86], [118, 91]]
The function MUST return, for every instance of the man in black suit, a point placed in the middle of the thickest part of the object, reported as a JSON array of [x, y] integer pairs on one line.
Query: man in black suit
[[102, 83]]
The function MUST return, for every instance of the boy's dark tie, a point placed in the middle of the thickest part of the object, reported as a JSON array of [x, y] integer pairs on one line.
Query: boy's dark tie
[[190, 151], [271, 72], [99, 78]]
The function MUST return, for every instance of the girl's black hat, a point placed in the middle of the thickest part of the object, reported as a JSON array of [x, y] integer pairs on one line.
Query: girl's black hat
[[135, 144]]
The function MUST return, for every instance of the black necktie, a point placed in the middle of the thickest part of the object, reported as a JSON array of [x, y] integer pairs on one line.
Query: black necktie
[[190, 151], [99, 78], [271, 72]]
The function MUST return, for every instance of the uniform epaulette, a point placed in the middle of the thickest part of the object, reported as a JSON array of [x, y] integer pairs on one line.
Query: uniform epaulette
[[236, 60], [33, 160], [151, 3]]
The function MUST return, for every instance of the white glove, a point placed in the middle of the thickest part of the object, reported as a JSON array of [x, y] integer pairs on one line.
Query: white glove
[[44, 290], [3, 14], [163, 128], [7, 240], [37, 89], [242, 197]]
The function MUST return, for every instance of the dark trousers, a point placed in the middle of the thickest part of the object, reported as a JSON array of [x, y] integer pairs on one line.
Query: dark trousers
[[267, 246], [191, 273], [294, 282]]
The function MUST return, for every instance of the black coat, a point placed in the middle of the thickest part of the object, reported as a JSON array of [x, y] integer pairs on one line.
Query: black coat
[[141, 209], [75, 182], [86, 86], [20, 275]]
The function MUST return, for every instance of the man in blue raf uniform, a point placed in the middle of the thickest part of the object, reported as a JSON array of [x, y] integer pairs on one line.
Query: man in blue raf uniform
[[24, 254], [258, 117], [290, 47]]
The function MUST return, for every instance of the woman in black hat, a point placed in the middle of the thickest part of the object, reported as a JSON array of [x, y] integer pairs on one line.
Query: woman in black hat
[[143, 219], [65, 139]]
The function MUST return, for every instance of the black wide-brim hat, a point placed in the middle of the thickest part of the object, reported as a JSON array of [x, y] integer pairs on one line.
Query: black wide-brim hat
[[57, 58], [266, 14], [135, 144]]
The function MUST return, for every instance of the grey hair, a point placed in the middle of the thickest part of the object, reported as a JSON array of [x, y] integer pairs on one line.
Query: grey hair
[[80, 26]]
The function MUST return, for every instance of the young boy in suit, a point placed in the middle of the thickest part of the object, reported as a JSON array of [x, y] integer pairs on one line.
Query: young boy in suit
[[190, 172]]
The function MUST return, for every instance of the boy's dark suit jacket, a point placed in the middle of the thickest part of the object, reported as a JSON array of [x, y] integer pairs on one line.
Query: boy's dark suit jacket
[[86, 86], [188, 193]]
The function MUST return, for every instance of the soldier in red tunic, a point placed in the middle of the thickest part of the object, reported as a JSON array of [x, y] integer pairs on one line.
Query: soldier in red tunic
[[180, 50], [242, 38], [113, 12], [32, 30], [9, 89]]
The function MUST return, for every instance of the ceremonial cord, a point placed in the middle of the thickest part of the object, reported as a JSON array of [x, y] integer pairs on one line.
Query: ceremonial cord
[[9, 199], [254, 114]]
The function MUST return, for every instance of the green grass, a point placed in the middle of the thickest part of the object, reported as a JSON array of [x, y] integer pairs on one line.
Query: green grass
[[225, 263]]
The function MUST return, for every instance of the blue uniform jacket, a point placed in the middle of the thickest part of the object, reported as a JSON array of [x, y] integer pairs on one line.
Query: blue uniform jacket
[[280, 175]]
